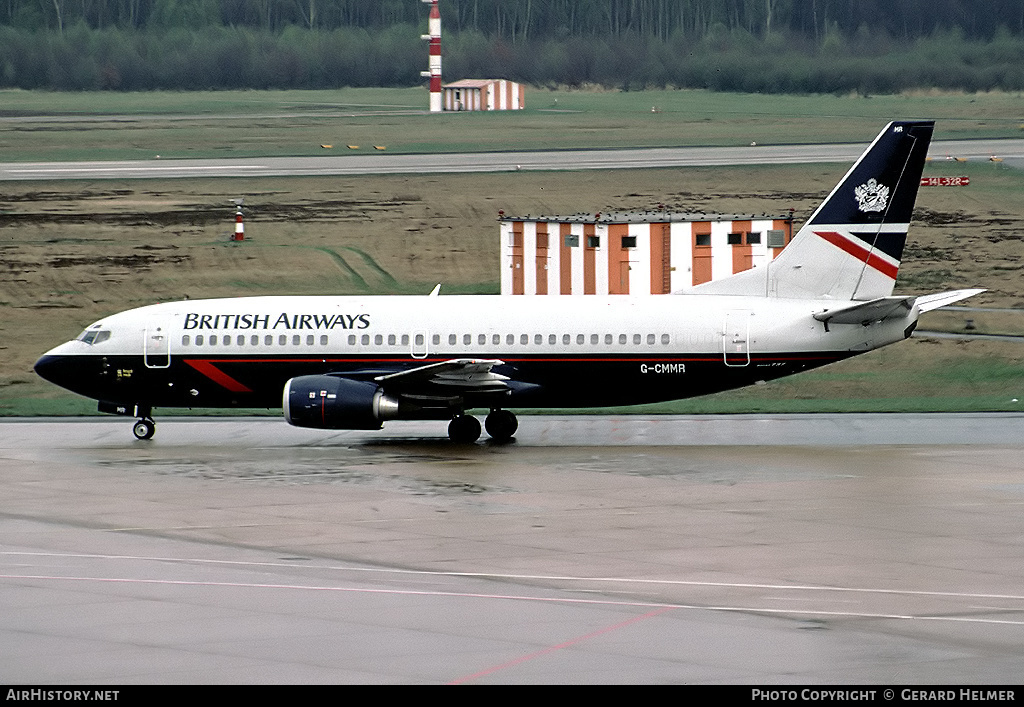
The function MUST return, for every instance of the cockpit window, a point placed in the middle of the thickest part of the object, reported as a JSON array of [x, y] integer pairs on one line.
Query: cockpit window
[[94, 336]]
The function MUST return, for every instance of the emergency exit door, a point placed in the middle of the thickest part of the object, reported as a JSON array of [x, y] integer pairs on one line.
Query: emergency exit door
[[736, 338], [156, 348]]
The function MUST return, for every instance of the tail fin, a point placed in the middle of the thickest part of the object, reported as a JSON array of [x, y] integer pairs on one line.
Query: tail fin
[[851, 246]]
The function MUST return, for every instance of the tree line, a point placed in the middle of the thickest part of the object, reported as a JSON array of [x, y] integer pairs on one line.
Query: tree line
[[737, 45], [521, 20]]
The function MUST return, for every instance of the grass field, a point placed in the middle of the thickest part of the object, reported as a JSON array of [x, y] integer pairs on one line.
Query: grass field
[[73, 252], [45, 126]]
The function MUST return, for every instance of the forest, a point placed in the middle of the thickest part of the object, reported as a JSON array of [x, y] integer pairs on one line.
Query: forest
[[771, 46]]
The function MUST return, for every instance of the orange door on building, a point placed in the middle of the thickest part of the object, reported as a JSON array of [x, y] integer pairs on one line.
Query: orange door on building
[[701, 252], [517, 258]]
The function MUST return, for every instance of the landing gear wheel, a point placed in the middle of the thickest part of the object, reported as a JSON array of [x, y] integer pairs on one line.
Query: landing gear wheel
[[501, 425], [464, 429], [144, 429]]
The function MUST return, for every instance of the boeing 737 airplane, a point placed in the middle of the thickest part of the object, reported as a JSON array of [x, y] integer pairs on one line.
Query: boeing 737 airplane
[[356, 362]]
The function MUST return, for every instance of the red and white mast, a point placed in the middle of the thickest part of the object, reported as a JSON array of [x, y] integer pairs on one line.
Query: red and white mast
[[434, 37]]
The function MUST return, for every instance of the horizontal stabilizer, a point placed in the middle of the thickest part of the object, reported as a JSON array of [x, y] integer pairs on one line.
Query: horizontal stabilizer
[[865, 313], [929, 302]]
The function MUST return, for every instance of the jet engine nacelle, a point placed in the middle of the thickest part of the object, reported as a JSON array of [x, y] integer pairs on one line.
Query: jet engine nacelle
[[331, 403]]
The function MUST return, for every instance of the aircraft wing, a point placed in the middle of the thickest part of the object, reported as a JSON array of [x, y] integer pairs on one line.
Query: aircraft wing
[[459, 375], [866, 312]]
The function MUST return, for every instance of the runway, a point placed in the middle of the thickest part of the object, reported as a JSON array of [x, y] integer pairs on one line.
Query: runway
[[1010, 151], [748, 549]]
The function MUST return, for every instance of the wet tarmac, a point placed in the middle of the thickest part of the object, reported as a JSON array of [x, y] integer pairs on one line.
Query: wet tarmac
[[882, 549]]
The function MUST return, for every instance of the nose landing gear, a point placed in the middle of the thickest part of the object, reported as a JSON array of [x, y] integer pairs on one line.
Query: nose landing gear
[[144, 428]]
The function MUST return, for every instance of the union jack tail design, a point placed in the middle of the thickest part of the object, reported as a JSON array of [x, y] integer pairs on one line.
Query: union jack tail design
[[851, 246]]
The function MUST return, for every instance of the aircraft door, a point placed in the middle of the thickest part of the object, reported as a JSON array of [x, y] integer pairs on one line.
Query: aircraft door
[[156, 348], [736, 338]]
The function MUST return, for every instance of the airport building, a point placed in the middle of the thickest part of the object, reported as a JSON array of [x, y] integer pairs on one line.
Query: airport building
[[635, 253], [484, 94]]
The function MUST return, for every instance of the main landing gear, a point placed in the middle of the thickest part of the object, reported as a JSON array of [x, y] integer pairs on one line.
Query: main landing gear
[[465, 429], [144, 428]]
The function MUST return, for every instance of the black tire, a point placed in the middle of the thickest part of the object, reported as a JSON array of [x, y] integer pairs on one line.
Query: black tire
[[464, 429], [144, 429], [501, 425]]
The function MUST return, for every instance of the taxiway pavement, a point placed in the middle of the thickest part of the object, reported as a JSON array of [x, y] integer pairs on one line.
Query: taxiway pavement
[[719, 549], [1011, 152]]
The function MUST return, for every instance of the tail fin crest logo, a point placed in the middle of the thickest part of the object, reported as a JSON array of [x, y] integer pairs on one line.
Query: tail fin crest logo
[[872, 196]]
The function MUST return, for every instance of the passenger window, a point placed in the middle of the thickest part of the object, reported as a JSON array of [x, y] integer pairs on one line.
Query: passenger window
[[365, 340], [622, 338], [296, 339], [309, 339], [378, 339], [650, 339], [594, 338], [524, 339], [510, 339], [566, 339], [213, 340], [496, 339], [607, 338], [240, 340], [481, 340], [254, 340], [538, 339], [351, 339], [636, 339], [467, 339], [199, 339], [436, 339], [184, 340], [323, 339], [552, 339], [405, 340], [452, 338], [665, 338], [268, 340], [282, 340], [419, 340], [580, 339], [392, 340]]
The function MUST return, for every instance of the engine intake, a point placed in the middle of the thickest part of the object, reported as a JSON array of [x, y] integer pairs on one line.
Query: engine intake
[[331, 403]]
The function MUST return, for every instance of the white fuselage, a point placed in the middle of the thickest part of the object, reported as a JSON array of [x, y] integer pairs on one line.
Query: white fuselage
[[587, 350]]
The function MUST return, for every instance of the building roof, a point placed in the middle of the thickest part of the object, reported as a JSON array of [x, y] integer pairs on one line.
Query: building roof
[[472, 83], [653, 216]]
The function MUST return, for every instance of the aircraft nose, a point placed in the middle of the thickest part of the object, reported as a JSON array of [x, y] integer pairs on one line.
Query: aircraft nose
[[49, 367], [62, 370]]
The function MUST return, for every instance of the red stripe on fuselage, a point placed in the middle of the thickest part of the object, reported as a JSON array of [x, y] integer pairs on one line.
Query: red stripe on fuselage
[[861, 254], [217, 376]]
